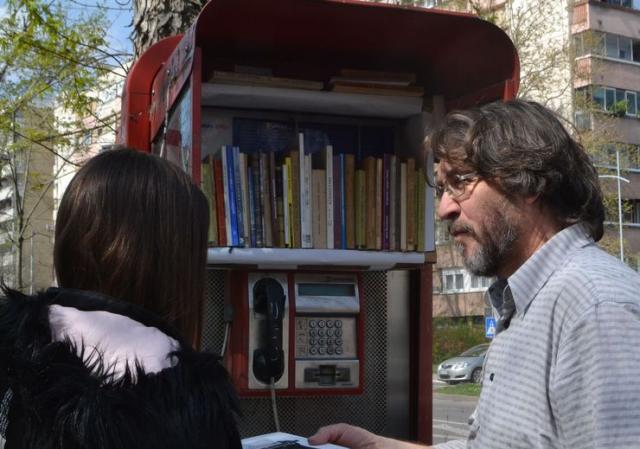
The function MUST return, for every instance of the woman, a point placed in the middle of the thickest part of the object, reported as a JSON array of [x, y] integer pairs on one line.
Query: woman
[[105, 361]]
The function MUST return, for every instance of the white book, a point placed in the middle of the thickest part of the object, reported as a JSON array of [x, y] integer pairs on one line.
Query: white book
[[403, 206], [328, 153], [285, 202], [225, 188], [272, 439]]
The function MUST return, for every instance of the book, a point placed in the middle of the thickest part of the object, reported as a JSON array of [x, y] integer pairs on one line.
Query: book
[[421, 188], [411, 204], [305, 194], [323, 160], [337, 203], [229, 195], [349, 199], [378, 204], [376, 89], [379, 76], [386, 192], [238, 197], [250, 79], [361, 202], [403, 206], [280, 192], [208, 188], [220, 202], [286, 200], [319, 209], [244, 190], [252, 203], [265, 195], [370, 194], [257, 200], [275, 217], [294, 216], [393, 201], [273, 440]]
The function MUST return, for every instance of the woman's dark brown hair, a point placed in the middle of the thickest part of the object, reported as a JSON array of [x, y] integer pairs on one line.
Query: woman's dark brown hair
[[134, 226]]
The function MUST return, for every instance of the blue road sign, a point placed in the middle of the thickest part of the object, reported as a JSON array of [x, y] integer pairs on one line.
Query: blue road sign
[[489, 327]]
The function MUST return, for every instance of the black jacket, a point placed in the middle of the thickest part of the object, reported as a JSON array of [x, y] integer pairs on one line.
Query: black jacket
[[54, 395]]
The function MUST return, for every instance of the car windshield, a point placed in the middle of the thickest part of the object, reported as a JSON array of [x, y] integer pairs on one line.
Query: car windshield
[[475, 351]]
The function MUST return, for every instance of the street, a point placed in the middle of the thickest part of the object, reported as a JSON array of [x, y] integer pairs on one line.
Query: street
[[450, 415]]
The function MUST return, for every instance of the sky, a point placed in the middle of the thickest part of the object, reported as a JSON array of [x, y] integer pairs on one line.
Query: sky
[[119, 15]]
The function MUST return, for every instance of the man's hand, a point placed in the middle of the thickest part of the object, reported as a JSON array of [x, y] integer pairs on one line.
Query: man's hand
[[357, 438]]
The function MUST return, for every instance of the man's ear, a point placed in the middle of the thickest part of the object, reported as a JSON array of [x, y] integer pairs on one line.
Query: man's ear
[[531, 199]]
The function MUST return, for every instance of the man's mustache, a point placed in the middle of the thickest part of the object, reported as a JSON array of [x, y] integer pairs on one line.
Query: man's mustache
[[457, 228]]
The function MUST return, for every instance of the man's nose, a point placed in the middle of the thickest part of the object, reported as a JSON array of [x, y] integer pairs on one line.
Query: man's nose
[[448, 208]]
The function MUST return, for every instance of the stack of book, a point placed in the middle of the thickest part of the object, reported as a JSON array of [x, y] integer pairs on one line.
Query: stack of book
[[376, 83], [324, 200]]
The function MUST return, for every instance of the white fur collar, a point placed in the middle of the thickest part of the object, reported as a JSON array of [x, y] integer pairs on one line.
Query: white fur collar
[[118, 340]]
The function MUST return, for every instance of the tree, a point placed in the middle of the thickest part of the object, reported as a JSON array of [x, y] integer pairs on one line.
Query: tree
[[48, 59], [154, 20]]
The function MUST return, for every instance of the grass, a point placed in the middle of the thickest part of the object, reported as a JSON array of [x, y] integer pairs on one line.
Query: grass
[[463, 389]]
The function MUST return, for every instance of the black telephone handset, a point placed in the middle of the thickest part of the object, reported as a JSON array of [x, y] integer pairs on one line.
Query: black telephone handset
[[268, 359]]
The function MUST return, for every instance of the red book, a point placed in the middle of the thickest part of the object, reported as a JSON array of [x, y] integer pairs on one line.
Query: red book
[[217, 179]]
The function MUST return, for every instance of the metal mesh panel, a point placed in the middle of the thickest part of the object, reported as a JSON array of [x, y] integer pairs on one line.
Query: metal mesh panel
[[303, 415]]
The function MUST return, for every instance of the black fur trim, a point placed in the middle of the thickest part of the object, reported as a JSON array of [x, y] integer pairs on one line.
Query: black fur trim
[[59, 403]]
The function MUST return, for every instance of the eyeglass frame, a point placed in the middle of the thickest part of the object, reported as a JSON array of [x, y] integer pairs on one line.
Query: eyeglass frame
[[466, 179]]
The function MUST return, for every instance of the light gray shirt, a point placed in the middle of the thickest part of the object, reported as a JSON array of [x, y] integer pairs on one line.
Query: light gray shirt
[[566, 372]]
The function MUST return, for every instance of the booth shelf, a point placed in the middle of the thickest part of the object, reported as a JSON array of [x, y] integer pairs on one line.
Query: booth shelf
[[294, 258], [310, 101]]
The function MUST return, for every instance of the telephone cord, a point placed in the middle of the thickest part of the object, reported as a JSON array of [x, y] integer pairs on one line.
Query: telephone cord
[[225, 340], [274, 406]]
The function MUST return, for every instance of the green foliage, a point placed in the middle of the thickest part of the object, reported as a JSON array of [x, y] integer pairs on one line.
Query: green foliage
[[463, 389], [620, 108], [451, 338]]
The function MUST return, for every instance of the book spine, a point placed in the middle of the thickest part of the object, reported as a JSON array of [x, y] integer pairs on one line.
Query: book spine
[[421, 187], [208, 188], [343, 205], [275, 233], [280, 201], [265, 194], [378, 203], [245, 198], [252, 203], [361, 201], [231, 193], [255, 162], [318, 205], [220, 202], [305, 195], [238, 194], [392, 203], [349, 195], [288, 204], [294, 176], [337, 203], [329, 194], [386, 192], [370, 224], [403, 206]]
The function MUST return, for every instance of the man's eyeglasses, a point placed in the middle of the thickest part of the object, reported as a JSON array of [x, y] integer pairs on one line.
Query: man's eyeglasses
[[457, 186]]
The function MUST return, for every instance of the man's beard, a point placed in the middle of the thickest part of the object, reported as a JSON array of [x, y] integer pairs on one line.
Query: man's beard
[[500, 233]]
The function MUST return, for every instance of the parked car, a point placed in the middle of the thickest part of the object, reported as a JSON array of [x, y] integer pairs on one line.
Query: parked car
[[467, 367]]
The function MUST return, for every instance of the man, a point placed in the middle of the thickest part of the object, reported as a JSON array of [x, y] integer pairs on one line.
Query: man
[[524, 204]]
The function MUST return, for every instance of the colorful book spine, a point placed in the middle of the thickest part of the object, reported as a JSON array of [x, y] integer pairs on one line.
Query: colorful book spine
[[244, 188], [294, 217], [370, 189], [220, 202], [361, 213], [255, 163], [252, 202], [403, 206], [208, 188], [378, 215], [238, 196], [230, 194]]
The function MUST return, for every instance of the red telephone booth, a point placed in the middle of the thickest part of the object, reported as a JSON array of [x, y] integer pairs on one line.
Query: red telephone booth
[[263, 83]]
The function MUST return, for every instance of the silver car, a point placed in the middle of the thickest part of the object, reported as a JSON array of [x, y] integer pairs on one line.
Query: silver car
[[465, 367]]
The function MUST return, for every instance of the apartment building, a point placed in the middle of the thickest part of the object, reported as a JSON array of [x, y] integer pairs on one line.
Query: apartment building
[[582, 59]]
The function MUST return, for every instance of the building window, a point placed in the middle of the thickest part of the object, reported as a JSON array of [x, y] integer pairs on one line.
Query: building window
[[632, 103], [459, 280], [442, 232], [631, 212], [608, 99]]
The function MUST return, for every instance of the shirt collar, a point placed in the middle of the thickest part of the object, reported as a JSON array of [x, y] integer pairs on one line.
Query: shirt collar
[[527, 281]]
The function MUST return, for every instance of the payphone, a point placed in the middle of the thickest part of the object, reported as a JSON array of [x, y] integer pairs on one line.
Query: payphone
[[301, 332]]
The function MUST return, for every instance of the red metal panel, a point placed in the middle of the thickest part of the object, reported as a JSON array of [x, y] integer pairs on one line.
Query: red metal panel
[[136, 94]]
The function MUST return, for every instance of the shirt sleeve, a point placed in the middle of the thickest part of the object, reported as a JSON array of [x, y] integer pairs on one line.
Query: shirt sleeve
[[453, 444], [595, 381]]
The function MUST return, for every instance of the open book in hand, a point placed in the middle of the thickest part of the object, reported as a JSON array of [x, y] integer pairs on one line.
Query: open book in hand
[[280, 440]]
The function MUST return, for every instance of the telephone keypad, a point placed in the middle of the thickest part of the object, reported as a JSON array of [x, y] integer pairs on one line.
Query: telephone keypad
[[318, 337]]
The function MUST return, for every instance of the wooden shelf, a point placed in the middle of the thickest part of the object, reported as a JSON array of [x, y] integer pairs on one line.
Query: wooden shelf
[[291, 259], [310, 101]]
